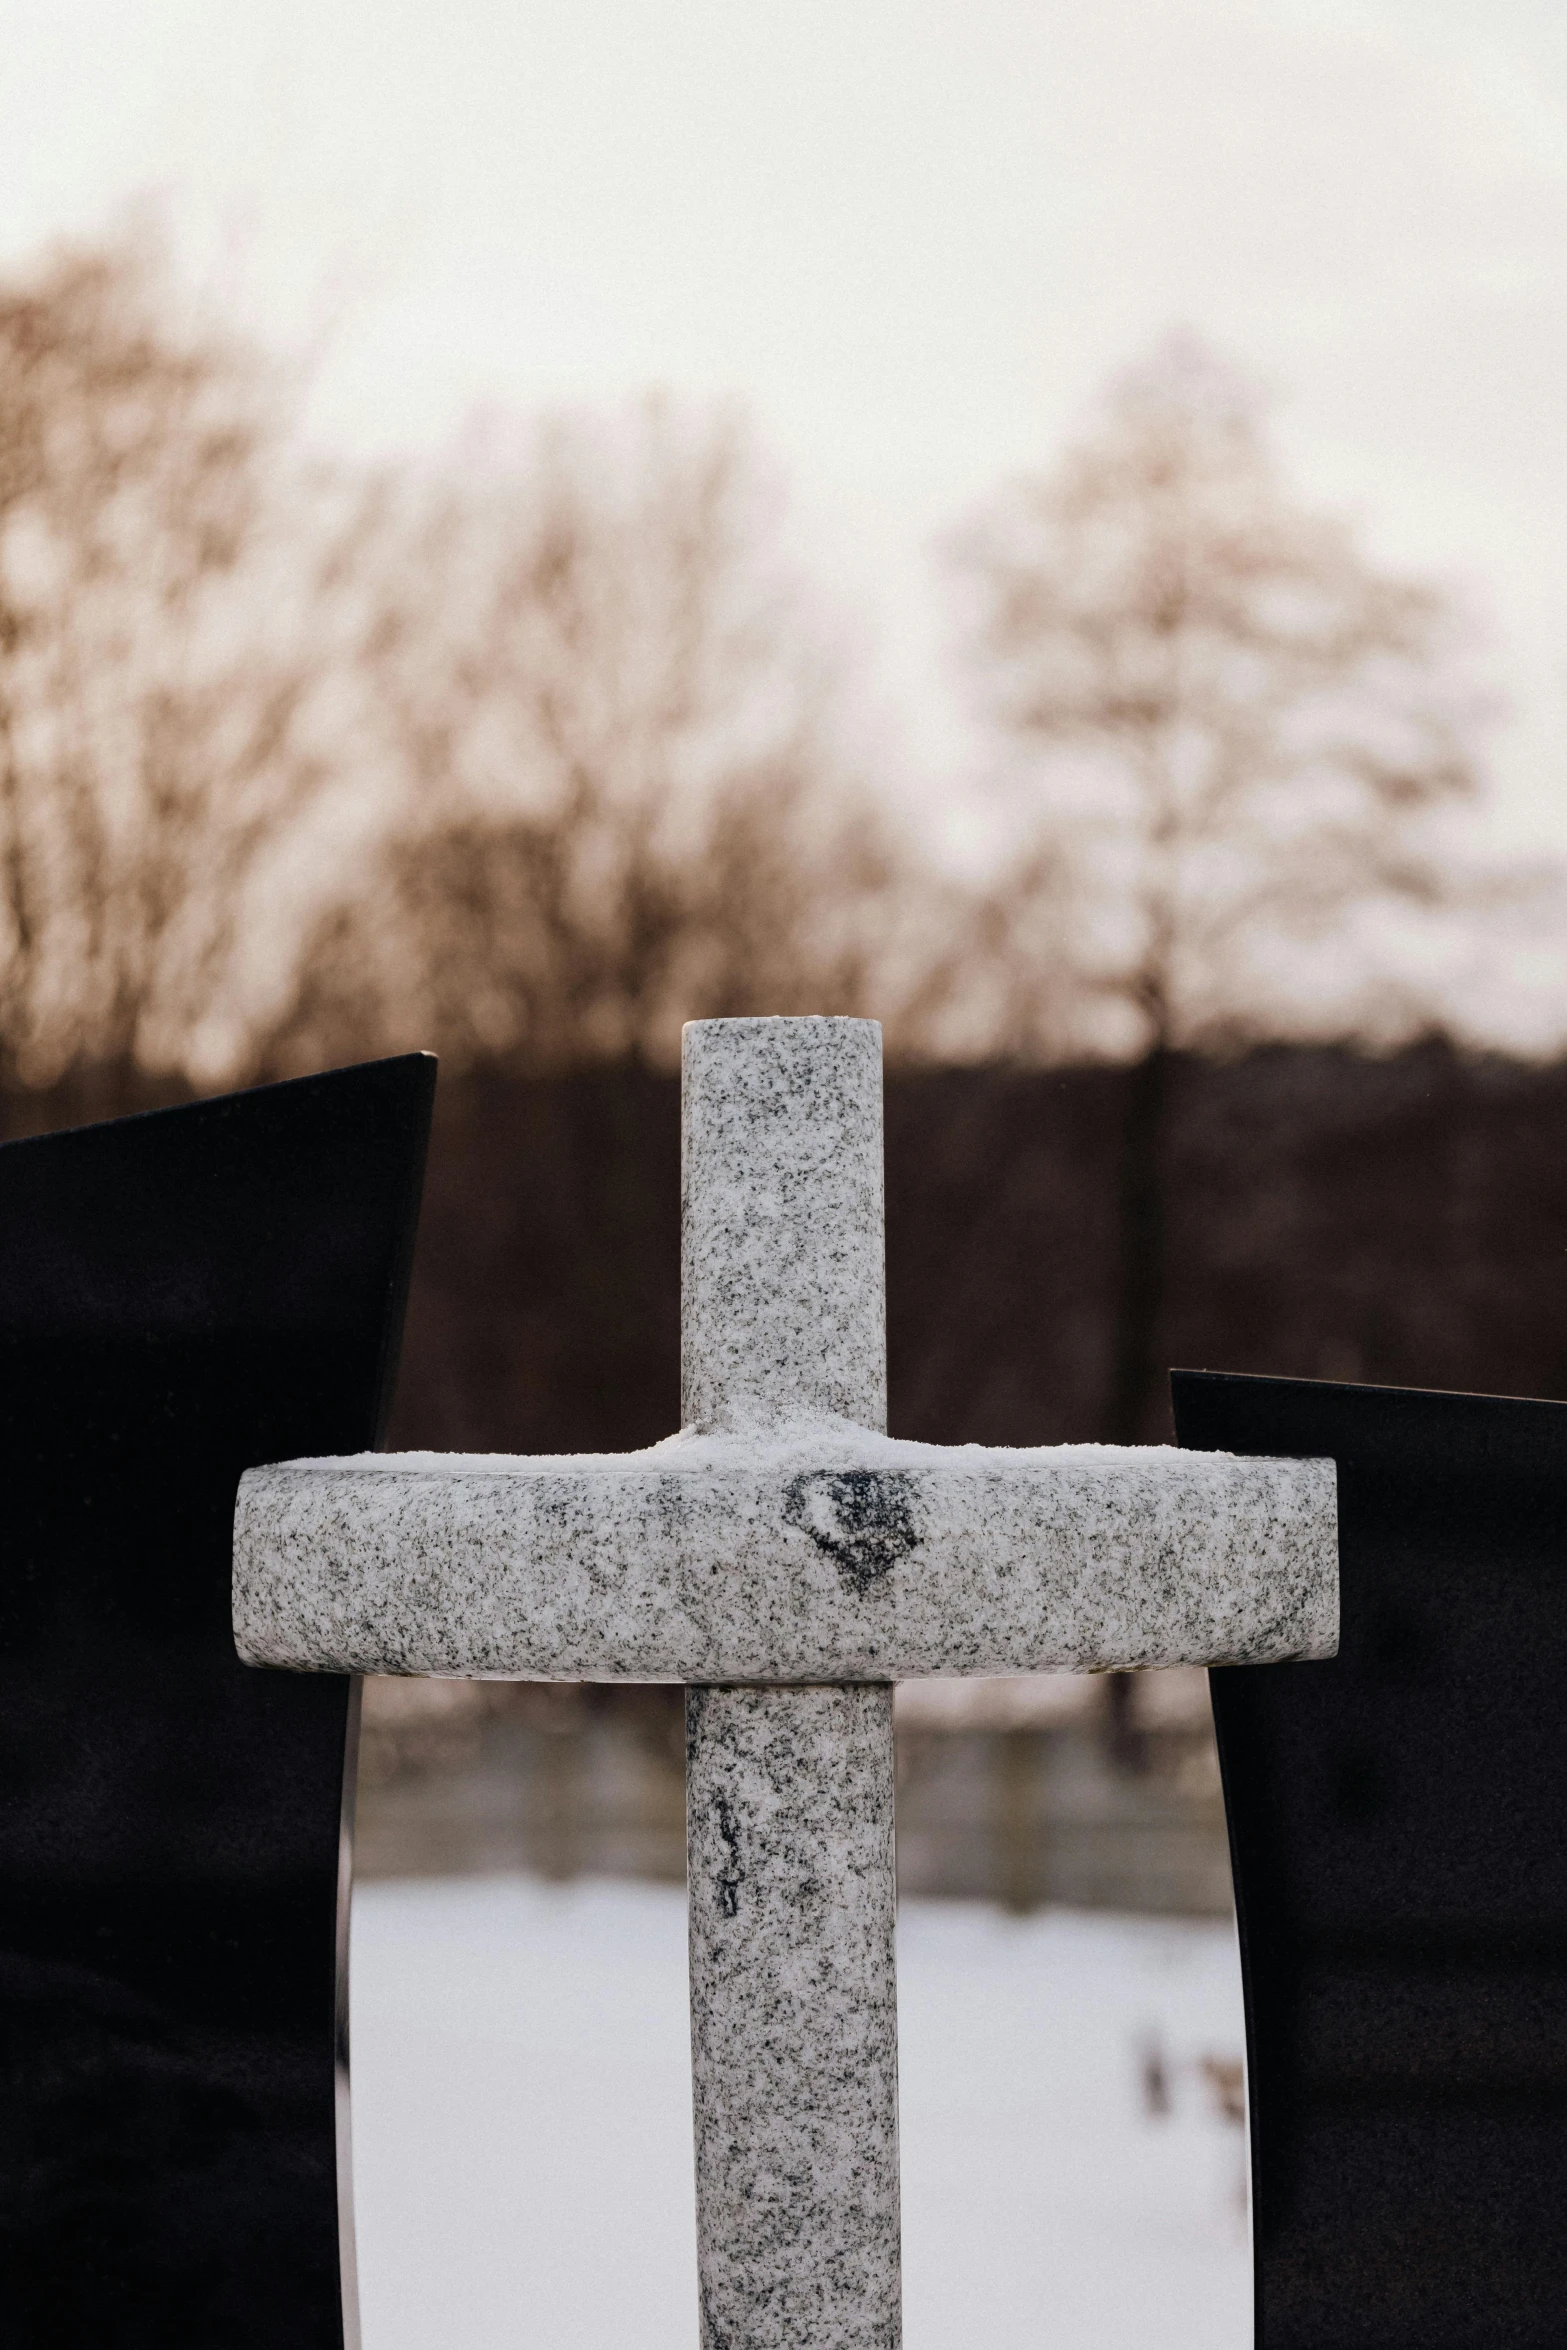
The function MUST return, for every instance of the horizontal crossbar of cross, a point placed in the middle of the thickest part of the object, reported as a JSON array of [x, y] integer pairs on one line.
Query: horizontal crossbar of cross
[[839, 1555]]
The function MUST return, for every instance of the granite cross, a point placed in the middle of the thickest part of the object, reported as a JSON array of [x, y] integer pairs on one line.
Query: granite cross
[[788, 1562]]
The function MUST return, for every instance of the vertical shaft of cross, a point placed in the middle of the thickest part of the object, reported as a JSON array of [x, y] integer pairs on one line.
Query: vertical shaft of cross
[[789, 1790]]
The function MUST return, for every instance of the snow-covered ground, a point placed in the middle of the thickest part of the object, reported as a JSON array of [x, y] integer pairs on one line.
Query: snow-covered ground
[[522, 2125]]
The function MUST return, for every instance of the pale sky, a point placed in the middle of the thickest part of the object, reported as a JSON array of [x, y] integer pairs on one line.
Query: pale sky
[[911, 238]]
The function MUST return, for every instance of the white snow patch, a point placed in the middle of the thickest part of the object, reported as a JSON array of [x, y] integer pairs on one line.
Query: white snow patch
[[522, 2125]]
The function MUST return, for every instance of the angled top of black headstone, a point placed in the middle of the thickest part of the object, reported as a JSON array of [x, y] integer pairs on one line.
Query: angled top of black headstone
[[1397, 1830], [183, 1295]]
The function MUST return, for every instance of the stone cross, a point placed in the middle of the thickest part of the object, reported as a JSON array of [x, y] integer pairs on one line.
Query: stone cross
[[788, 1562]]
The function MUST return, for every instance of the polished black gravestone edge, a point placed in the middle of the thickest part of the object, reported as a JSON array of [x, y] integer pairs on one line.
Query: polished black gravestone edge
[[183, 1295], [1398, 1830]]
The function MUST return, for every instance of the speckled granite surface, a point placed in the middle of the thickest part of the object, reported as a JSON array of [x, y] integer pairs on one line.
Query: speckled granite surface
[[794, 2039], [782, 1283], [831, 1556]]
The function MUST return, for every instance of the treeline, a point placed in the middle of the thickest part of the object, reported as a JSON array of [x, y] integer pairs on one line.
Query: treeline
[[531, 751]]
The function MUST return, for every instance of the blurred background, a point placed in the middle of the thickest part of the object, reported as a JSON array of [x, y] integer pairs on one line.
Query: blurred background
[[1041, 527]]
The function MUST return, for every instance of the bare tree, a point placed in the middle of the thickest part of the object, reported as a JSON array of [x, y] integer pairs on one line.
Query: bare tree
[[157, 658], [616, 792], [1235, 730]]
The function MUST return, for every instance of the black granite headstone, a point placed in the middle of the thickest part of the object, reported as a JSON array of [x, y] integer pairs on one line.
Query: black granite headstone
[[182, 1296], [1398, 1826]]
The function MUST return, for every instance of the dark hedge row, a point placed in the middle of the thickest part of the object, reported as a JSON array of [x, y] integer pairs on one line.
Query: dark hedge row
[[1328, 1216]]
